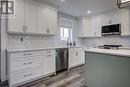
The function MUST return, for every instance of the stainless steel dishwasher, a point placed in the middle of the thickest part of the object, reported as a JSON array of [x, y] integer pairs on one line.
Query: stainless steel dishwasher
[[61, 59]]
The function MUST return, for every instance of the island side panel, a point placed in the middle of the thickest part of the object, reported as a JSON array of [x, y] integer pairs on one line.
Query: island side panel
[[102, 70]]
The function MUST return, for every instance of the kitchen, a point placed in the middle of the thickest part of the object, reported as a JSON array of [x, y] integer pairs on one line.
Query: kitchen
[[40, 33]]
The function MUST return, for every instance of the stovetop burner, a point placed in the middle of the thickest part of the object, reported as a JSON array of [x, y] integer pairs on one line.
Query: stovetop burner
[[114, 47]]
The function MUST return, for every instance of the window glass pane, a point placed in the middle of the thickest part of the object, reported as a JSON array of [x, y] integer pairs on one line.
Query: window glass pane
[[66, 32], [62, 31]]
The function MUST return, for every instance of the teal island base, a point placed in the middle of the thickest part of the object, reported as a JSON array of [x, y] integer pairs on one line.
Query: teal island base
[[104, 70]]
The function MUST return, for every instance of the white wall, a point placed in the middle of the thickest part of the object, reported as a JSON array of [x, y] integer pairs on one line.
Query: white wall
[[3, 49]]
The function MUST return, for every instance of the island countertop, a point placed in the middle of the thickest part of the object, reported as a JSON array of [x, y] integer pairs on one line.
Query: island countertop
[[120, 52]]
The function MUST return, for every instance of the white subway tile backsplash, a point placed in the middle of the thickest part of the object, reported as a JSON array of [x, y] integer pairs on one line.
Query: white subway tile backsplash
[[111, 40], [15, 42]]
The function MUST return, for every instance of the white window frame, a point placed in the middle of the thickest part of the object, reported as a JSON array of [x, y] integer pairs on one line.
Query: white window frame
[[70, 27]]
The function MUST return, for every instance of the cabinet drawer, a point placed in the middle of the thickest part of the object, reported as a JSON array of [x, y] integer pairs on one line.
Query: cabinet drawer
[[25, 75], [48, 52], [24, 54], [18, 64]]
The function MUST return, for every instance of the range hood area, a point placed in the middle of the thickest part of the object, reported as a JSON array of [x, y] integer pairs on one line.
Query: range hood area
[[123, 3]]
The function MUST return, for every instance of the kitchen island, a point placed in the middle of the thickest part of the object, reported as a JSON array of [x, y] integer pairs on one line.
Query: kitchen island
[[107, 68]]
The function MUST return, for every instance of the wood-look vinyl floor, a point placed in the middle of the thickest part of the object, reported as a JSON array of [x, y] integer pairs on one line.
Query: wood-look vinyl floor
[[71, 78]]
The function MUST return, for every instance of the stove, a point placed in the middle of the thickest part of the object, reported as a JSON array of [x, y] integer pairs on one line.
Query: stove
[[113, 47]]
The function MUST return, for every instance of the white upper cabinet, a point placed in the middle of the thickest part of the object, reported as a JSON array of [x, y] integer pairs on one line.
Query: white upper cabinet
[[125, 22], [47, 20], [113, 17], [97, 26], [90, 26], [42, 19], [105, 19], [52, 20], [16, 24], [84, 27], [31, 16]]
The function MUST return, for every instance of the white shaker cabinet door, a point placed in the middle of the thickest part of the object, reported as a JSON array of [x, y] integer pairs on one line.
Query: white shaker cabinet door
[[72, 58], [80, 56], [105, 19], [48, 62], [86, 27], [16, 23], [47, 20], [42, 19], [76, 57], [115, 17], [31, 16], [52, 20], [98, 27], [125, 22], [92, 27]]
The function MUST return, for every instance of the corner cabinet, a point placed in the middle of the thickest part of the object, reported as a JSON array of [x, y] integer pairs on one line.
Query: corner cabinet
[[76, 57], [84, 27], [32, 17], [90, 26]]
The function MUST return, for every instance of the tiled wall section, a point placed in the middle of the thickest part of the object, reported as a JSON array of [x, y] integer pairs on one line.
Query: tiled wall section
[[15, 42], [29, 42], [110, 40]]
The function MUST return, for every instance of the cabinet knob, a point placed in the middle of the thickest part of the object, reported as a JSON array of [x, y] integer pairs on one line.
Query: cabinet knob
[[27, 54], [48, 55], [110, 21], [28, 63], [28, 75], [47, 30], [24, 28], [76, 53], [48, 52], [82, 34], [95, 33]]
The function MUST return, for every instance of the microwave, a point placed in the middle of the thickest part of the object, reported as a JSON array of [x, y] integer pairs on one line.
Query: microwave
[[114, 29]]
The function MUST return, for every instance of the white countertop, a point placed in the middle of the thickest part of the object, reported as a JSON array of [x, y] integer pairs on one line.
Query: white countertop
[[120, 52], [39, 49]]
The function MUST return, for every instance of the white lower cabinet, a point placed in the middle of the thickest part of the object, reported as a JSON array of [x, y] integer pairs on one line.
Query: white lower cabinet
[[25, 75], [48, 62], [76, 57], [28, 66], [24, 66]]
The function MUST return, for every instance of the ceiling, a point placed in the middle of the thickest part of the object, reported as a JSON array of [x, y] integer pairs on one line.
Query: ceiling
[[80, 7]]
